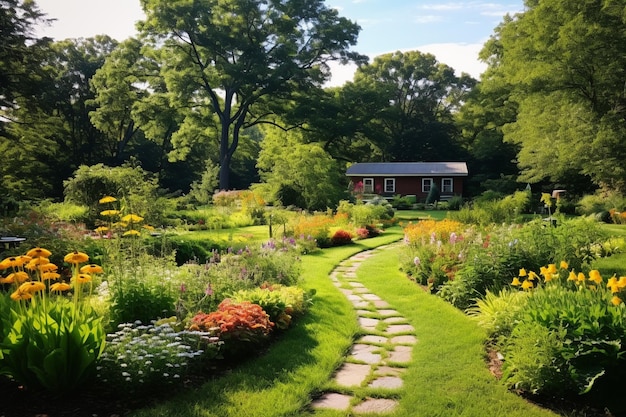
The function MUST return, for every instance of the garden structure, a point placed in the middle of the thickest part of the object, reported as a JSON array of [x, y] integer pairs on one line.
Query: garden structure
[[389, 179]]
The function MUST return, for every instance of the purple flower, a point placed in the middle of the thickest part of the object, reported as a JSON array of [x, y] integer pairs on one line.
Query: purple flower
[[209, 290]]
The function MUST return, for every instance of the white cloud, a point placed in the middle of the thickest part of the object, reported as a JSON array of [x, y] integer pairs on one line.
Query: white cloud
[[428, 19]]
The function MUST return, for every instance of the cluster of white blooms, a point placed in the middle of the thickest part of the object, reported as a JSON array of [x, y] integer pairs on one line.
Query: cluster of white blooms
[[151, 355]]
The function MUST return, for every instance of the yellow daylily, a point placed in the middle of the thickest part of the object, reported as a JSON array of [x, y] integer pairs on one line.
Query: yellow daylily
[[552, 269], [526, 285], [581, 277], [572, 276], [594, 275], [564, 265], [522, 272], [622, 282], [616, 300], [532, 276], [516, 282]]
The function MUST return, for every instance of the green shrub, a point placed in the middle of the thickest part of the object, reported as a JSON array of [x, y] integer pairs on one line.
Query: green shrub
[[455, 203]]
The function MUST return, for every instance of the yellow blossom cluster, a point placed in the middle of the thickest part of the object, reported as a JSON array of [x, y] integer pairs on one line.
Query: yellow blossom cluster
[[529, 279], [129, 221], [33, 273], [427, 229]]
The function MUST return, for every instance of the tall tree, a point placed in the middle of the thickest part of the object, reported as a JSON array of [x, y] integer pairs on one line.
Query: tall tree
[[565, 65], [419, 95], [238, 57]]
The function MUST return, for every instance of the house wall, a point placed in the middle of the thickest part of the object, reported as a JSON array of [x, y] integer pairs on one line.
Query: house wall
[[413, 186]]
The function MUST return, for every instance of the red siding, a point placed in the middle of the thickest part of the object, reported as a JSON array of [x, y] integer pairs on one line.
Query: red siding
[[413, 186]]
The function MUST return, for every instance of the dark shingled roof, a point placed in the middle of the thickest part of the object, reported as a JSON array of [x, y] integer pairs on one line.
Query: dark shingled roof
[[406, 169]]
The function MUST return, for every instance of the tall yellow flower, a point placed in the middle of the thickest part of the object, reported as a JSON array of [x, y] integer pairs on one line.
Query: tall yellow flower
[[91, 269], [516, 282], [35, 263], [76, 257], [60, 287], [18, 295], [47, 276], [532, 276], [132, 218], [552, 269], [572, 276], [32, 287], [131, 232], [564, 265], [616, 300], [622, 282], [39, 252], [109, 213], [581, 277], [107, 199], [82, 278], [522, 272]]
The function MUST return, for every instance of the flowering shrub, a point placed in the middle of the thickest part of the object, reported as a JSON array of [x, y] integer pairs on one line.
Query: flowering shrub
[[341, 237], [145, 358], [569, 332], [235, 324], [362, 233], [430, 231], [48, 340]]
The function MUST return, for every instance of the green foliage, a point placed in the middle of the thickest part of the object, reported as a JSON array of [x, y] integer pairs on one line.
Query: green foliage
[[497, 313], [489, 209], [433, 194], [600, 202], [202, 191], [134, 187], [65, 212]]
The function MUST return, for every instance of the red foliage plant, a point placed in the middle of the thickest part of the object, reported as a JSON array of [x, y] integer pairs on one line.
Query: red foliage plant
[[341, 237], [240, 321]]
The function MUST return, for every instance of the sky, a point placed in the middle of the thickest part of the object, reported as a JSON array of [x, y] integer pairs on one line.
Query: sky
[[453, 31]]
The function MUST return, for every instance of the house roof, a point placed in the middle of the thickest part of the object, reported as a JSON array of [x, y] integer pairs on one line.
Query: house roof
[[407, 169]]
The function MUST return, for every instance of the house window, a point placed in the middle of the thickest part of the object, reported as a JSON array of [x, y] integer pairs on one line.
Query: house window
[[368, 185], [390, 185], [427, 184], [447, 185]]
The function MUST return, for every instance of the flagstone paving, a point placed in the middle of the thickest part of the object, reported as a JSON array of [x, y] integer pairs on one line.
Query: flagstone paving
[[376, 360]]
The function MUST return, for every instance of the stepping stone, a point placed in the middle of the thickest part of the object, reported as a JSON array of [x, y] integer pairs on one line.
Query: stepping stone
[[399, 328], [381, 304], [395, 320], [388, 312], [333, 401], [391, 382], [368, 324], [376, 405], [356, 284], [404, 340], [354, 297], [363, 312], [371, 297], [350, 274], [360, 304], [361, 290], [365, 353], [401, 354], [345, 291], [352, 374], [389, 371], [370, 338]]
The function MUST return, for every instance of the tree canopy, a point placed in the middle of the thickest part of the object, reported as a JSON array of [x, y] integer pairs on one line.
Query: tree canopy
[[239, 58]]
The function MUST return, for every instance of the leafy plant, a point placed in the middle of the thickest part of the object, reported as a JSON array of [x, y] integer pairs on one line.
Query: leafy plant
[[341, 237]]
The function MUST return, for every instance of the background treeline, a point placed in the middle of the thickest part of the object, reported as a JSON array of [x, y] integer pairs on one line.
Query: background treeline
[[202, 108]]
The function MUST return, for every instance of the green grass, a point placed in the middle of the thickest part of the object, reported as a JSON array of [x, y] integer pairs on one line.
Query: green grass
[[413, 215], [248, 234]]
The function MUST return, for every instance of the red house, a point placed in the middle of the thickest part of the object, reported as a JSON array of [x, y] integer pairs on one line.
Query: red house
[[409, 178]]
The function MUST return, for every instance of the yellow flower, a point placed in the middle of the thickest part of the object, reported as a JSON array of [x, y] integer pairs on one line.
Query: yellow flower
[[622, 282], [548, 277], [60, 287], [616, 300], [594, 275], [14, 261], [131, 232], [39, 252], [532, 276], [552, 269], [82, 278], [516, 282], [526, 285], [91, 269], [581, 277], [564, 265], [572, 276], [109, 213], [148, 227], [7, 280], [132, 218], [46, 276], [76, 257], [32, 287], [20, 295], [107, 199], [34, 263], [49, 267], [612, 284], [102, 229], [19, 276], [522, 272]]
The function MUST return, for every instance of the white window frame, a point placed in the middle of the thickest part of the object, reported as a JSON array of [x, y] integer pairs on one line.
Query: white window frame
[[368, 185], [427, 184], [450, 182], [391, 189]]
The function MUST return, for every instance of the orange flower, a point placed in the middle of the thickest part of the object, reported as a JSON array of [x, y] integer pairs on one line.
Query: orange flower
[[49, 267], [21, 295], [32, 287], [34, 263], [14, 261], [76, 257], [47, 276]]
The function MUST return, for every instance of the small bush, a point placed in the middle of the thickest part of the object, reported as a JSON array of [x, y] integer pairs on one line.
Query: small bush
[[341, 237]]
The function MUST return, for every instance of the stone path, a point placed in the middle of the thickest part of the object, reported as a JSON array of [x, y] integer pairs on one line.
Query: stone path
[[378, 359]]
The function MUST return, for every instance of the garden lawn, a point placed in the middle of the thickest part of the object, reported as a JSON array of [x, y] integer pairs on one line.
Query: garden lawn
[[448, 376], [246, 235], [415, 215]]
